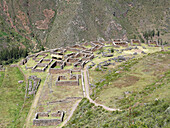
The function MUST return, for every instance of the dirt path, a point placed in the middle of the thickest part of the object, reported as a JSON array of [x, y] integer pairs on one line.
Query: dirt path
[[34, 104], [71, 113], [88, 96]]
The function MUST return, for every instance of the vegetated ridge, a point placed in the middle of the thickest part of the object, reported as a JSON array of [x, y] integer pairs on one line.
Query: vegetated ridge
[[61, 23]]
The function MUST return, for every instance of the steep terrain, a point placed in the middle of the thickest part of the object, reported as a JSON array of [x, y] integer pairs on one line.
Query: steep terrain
[[14, 105], [61, 23], [142, 105]]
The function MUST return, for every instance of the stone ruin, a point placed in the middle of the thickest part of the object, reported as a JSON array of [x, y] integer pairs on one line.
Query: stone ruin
[[41, 66], [120, 42], [153, 43], [77, 59], [54, 118], [134, 42], [23, 62], [72, 81], [66, 100], [33, 84]]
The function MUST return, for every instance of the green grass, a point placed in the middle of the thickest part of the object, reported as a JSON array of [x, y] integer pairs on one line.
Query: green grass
[[67, 52], [42, 76], [1, 77], [132, 74], [144, 116], [50, 117], [39, 68], [88, 46], [48, 57], [59, 93], [3, 34], [13, 113], [31, 63], [57, 66], [148, 82], [68, 67], [76, 73]]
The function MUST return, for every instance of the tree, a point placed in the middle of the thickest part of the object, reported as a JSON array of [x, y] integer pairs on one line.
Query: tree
[[112, 50], [153, 33], [158, 34], [42, 48]]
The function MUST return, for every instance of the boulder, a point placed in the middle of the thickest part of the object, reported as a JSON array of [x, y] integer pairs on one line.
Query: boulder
[[135, 53], [144, 47], [143, 52], [20, 81], [136, 47]]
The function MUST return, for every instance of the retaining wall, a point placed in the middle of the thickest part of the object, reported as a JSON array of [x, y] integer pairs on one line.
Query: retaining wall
[[58, 71], [67, 83], [46, 122]]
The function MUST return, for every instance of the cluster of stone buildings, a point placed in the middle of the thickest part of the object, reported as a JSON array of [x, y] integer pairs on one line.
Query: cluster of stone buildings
[[75, 56], [69, 60]]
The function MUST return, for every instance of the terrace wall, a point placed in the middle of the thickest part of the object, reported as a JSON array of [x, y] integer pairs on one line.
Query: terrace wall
[[58, 71], [46, 122], [67, 83]]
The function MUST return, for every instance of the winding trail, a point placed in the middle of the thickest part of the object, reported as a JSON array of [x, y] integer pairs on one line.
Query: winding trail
[[85, 84], [88, 96]]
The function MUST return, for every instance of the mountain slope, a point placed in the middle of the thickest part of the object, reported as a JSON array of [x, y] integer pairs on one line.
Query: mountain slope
[[61, 23], [142, 105]]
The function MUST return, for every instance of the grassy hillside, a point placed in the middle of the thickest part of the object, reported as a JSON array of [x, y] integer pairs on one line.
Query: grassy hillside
[[13, 108], [142, 94], [61, 23]]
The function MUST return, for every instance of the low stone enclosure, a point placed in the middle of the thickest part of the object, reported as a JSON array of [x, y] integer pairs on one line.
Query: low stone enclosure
[[134, 42], [120, 42], [72, 81], [41, 118], [153, 43], [33, 84], [42, 65]]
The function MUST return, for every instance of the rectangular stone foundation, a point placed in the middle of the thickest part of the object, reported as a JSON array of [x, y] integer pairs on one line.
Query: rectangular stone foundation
[[46, 122], [67, 83]]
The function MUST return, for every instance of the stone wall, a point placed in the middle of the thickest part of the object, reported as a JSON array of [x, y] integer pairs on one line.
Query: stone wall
[[67, 64], [23, 62], [46, 122], [77, 68], [72, 49], [72, 60], [58, 71], [70, 54], [42, 64], [33, 84], [67, 83], [73, 77], [124, 44], [77, 46], [97, 43], [76, 71], [61, 78], [135, 41], [42, 114], [154, 43], [56, 63]]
